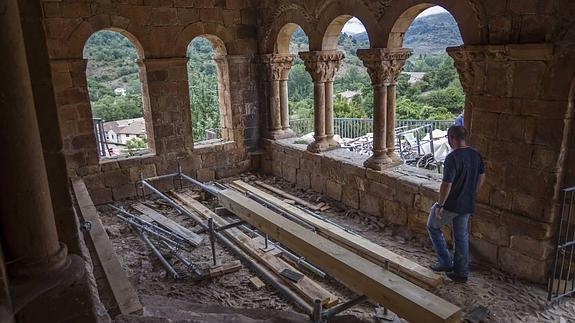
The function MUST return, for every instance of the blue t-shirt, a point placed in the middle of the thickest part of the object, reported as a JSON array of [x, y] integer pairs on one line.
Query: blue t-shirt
[[458, 121], [462, 168]]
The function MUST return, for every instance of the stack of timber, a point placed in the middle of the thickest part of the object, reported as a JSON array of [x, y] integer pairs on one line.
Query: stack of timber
[[363, 276], [306, 287], [404, 267], [124, 293]]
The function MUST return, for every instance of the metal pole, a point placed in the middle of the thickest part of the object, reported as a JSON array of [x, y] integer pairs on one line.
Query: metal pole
[[150, 224], [163, 260], [266, 275], [342, 307], [317, 309], [191, 266], [431, 146], [213, 240], [143, 228]]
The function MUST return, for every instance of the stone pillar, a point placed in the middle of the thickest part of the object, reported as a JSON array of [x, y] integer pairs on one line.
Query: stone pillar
[[383, 67], [467, 60], [166, 104], [29, 236], [322, 66], [278, 66]]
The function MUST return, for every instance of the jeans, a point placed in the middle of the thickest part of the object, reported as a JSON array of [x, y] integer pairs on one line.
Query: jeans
[[459, 223]]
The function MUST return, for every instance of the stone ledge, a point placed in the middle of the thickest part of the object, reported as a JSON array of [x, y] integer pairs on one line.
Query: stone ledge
[[214, 145]]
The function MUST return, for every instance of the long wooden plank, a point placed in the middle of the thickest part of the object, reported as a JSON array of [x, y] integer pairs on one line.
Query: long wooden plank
[[363, 276], [406, 268], [306, 287], [191, 236], [124, 294], [289, 196]]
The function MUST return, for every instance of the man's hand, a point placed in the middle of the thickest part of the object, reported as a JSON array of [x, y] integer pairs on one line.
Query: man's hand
[[438, 213]]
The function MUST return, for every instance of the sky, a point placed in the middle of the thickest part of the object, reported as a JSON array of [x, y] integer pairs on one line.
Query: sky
[[354, 26]]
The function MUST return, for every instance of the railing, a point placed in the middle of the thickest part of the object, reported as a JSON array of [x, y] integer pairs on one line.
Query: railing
[[213, 133], [102, 145], [356, 127], [562, 277]]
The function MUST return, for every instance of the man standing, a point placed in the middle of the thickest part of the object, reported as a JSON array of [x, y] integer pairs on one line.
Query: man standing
[[463, 175], [459, 121]]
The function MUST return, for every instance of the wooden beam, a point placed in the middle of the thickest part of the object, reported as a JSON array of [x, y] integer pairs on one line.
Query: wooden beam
[[361, 275], [306, 287], [194, 239], [404, 267], [289, 196], [124, 294]]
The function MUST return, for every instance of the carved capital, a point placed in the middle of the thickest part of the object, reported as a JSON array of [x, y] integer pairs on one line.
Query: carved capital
[[464, 59], [278, 65], [322, 65], [383, 65]]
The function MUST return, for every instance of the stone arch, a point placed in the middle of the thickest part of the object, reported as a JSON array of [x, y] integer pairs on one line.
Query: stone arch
[[289, 17], [77, 39], [216, 33], [335, 15], [142, 77], [223, 79], [283, 38], [467, 14]]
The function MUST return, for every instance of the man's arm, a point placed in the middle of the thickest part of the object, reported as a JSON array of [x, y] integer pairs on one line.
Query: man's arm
[[480, 181], [444, 190]]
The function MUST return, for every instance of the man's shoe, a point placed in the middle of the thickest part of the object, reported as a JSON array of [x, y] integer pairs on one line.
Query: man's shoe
[[456, 278], [439, 268]]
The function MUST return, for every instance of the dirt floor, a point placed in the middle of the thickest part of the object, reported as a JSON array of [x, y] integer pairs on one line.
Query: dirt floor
[[508, 299]]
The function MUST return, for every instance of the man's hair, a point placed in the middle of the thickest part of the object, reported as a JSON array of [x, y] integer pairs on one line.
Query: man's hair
[[457, 132]]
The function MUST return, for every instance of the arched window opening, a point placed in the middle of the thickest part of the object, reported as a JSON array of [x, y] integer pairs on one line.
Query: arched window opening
[[300, 84], [430, 97], [209, 94], [353, 99], [115, 90]]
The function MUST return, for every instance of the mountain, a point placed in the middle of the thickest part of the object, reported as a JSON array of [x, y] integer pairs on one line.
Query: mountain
[[429, 34]]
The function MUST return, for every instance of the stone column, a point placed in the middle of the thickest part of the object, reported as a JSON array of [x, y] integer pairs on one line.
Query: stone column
[[278, 66], [322, 66], [383, 67], [396, 59], [29, 236], [466, 60]]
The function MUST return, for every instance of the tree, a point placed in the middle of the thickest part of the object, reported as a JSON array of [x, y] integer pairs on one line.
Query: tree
[[344, 108], [136, 143], [112, 108]]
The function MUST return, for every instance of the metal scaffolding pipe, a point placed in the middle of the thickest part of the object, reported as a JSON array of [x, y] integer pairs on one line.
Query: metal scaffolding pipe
[[191, 266], [210, 189], [266, 275], [150, 224], [174, 204], [143, 228], [163, 260], [280, 210]]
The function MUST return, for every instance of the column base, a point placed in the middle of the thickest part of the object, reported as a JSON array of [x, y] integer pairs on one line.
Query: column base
[[53, 263], [318, 145], [275, 134], [288, 133], [378, 162], [332, 143], [394, 157]]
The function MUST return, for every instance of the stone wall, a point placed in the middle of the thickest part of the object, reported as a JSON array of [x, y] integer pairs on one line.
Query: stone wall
[[160, 31]]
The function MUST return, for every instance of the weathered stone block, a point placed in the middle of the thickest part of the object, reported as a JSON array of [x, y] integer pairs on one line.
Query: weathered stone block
[[318, 183], [333, 189], [205, 174], [522, 226], [537, 249], [289, 173], [370, 204], [527, 79], [101, 195], [350, 196], [483, 251], [380, 190], [522, 266], [394, 212], [491, 231], [123, 191], [303, 179]]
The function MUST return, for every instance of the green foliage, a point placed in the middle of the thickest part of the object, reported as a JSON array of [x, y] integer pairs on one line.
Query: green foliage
[[451, 98], [111, 108], [344, 108], [203, 84], [407, 109], [136, 143]]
